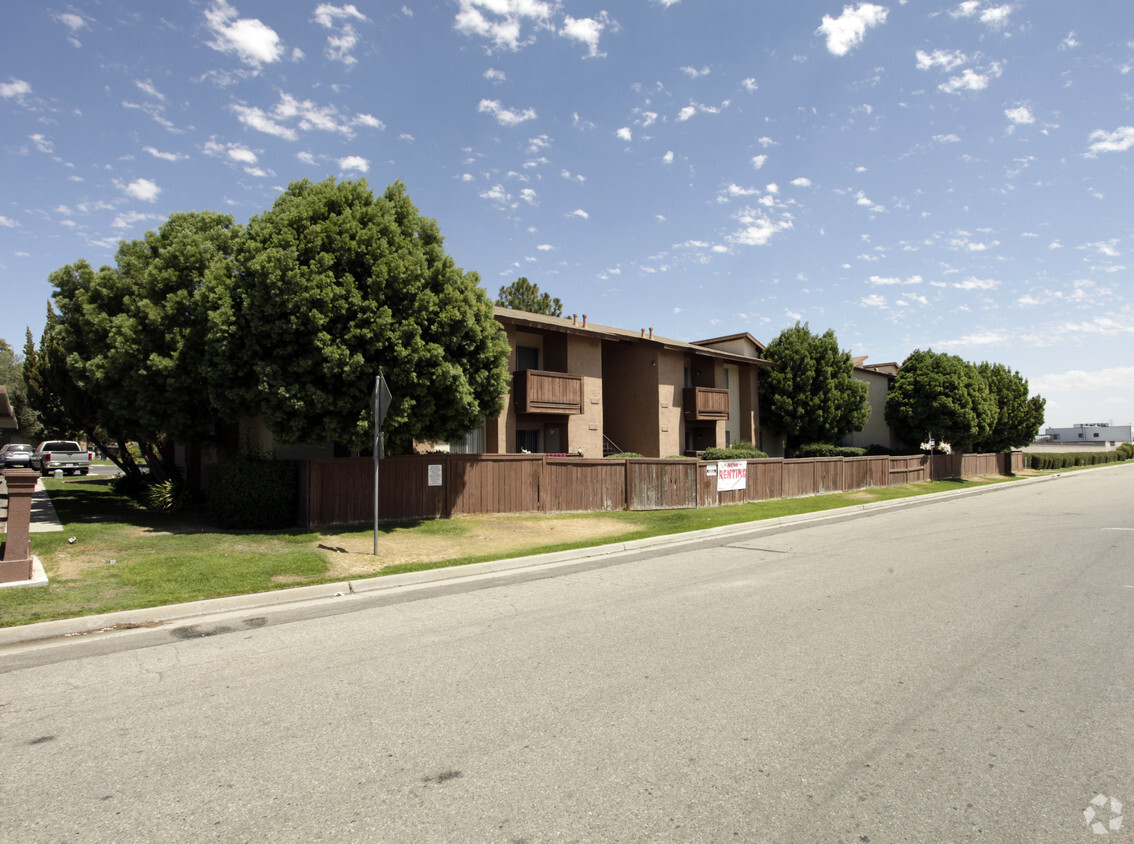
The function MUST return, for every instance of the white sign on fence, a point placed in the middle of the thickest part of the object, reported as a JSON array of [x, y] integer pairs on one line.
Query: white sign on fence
[[435, 474], [732, 475]]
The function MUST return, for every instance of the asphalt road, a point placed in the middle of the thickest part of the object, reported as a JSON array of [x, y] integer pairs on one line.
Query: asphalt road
[[952, 672]]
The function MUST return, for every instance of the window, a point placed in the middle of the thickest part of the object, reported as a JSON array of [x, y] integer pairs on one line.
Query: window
[[527, 357], [527, 440], [1096, 435], [726, 377]]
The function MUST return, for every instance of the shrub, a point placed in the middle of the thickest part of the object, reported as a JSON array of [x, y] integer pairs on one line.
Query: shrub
[[167, 496], [251, 492], [741, 450], [625, 455], [875, 449], [828, 450]]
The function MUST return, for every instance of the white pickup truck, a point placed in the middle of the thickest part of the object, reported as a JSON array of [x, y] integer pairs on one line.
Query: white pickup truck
[[61, 454]]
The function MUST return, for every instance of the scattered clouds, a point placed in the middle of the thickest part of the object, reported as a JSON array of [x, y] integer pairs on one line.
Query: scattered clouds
[[129, 219], [250, 40], [1120, 140], [624, 134], [306, 115], [1115, 378], [801, 182], [759, 161], [504, 22], [972, 80], [846, 32], [944, 59], [344, 37], [8, 222], [42, 143], [505, 116], [15, 89], [749, 85], [694, 73], [165, 156], [757, 227], [974, 283], [587, 31], [579, 213]]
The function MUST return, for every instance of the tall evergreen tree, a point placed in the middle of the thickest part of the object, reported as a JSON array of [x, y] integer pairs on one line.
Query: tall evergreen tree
[[811, 395], [522, 295], [940, 396]]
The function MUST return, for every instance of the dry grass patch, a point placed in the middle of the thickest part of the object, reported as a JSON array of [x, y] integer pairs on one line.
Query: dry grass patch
[[351, 555]]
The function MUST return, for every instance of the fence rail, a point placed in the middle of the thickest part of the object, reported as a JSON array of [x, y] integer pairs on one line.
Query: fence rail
[[341, 491]]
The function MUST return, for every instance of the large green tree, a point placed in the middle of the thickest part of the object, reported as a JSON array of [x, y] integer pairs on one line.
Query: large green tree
[[333, 283], [522, 295], [1017, 418], [940, 396], [811, 395], [155, 373]]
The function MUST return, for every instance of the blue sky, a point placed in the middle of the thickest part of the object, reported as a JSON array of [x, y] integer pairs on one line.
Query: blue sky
[[910, 173]]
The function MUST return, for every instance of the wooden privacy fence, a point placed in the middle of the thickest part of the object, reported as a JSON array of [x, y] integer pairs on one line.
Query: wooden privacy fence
[[434, 486]]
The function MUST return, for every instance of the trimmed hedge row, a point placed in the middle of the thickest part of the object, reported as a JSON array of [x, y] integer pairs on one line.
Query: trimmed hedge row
[[828, 450], [1062, 460]]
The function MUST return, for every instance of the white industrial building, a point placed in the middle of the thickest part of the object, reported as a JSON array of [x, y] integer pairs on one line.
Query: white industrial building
[[1104, 434]]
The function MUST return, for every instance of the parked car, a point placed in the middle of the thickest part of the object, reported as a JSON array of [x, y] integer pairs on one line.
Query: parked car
[[61, 454], [15, 456]]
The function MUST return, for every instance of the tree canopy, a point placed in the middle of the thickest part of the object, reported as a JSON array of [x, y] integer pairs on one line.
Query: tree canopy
[[1018, 418], [522, 295], [12, 377], [333, 283], [811, 395], [942, 396]]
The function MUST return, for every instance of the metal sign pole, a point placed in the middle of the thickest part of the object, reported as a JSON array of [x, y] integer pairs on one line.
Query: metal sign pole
[[382, 399]]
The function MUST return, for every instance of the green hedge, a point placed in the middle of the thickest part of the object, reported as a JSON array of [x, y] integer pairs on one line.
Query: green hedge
[[1067, 460], [251, 493], [741, 450], [828, 450]]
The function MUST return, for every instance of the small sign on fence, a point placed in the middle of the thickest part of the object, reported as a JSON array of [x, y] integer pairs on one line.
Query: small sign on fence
[[732, 475], [435, 474]]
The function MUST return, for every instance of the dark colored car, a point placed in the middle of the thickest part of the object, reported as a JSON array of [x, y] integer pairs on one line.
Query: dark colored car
[[15, 456]]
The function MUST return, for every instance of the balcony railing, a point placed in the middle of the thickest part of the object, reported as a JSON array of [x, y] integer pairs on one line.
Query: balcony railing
[[536, 391], [702, 404]]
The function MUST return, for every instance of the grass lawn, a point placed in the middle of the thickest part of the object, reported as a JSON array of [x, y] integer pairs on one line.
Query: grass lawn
[[125, 557]]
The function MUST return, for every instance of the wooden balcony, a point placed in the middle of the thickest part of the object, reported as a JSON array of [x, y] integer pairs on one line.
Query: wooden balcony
[[704, 404], [536, 391]]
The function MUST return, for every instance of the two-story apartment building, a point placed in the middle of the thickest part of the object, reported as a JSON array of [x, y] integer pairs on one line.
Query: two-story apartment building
[[588, 389]]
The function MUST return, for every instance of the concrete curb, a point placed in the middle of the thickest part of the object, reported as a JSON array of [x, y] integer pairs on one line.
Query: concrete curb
[[155, 616]]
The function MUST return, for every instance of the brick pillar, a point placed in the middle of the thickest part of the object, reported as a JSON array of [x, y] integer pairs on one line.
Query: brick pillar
[[16, 563]]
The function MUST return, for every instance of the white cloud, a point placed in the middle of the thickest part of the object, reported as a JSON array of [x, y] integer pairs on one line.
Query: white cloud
[[15, 88], [1120, 140], [242, 155], [801, 182], [8, 222], [71, 21], [494, 75], [624, 134], [874, 300], [529, 196], [253, 42], [496, 194], [164, 156], [345, 38], [758, 161], [883, 281], [668, 157], [997, 16], [143, 189], [503, 22], [368, 120], [580, 213], [686, 113], [974, 283], [306, 115], [587, 31], [945, 59], [947, 139], [42, 143], [757, 228], [971, 80], [132, 218], [847, 30], [148, 87], [694, 73], [749, 84], [1116, 379], [1020, 115], [305, 157], [504, 116], [354, 162]]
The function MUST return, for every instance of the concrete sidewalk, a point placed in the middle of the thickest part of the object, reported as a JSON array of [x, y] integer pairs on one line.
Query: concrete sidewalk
[[43, 515]]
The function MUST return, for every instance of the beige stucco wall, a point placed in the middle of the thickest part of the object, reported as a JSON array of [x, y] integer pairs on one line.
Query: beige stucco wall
[[876, 431], [584, 357], [669, 424]]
